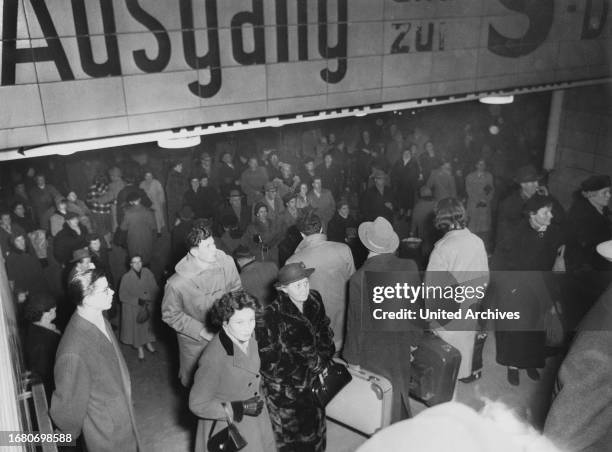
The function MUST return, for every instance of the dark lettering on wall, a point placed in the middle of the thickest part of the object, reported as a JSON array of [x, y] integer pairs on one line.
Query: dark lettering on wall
[[338, 51], [398, 45], [255, 17], [112, 65], [141, 59], [540, 14], [302, 13], [592, 25], [426, 46], [210, 59], [11, 55], [282, 32]]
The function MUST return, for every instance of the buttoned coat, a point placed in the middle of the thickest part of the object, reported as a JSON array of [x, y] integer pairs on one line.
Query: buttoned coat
[[93, 393], [580, 418], [334, 266], [188, 296], [226, 374]]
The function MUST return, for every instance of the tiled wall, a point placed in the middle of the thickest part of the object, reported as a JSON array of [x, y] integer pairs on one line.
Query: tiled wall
[[585, 139], [396, 50]]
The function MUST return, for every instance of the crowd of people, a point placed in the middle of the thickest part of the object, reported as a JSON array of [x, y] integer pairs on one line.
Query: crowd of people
[[265, 280]]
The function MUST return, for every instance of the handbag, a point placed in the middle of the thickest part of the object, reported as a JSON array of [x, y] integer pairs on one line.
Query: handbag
[[144, 311], [227, 440], [555, 333], [559, 265], [329, 382]]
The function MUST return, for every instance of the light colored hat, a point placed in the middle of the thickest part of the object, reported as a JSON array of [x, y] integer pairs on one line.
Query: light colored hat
[[378, 236]]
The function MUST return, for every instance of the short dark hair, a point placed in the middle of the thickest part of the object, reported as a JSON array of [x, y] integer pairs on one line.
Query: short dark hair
[[37, 305], [133, 196], [82, 284], [450, 215], [224, 308], [310, 224], [199, 232]]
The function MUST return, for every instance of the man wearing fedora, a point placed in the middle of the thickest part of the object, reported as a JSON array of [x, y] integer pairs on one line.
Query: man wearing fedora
[[382, 352], [335, 265], [273, 202], [511, 209], [236, 206], [257, 277]]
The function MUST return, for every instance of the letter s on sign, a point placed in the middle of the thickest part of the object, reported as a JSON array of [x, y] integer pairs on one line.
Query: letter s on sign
[[540, 14]]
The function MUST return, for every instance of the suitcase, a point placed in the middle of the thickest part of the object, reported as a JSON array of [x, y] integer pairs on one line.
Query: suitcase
[[435, 366], [364, 404]]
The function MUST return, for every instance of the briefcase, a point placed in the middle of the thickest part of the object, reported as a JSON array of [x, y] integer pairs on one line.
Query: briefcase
[[364, 404], [435, 366]]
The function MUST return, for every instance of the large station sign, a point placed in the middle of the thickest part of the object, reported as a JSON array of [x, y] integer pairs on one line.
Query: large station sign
[[80, 69]]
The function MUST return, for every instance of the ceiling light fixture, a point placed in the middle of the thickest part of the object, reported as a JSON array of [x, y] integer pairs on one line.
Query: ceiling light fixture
[[497, 100]]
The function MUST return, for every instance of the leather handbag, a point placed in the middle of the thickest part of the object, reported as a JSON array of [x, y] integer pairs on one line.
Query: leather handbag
[[329, 382], [555, 332], [144, 311], [227, 440]]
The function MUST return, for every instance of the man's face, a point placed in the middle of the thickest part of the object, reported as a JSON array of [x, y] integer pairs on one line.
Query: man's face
[[328, 160], [19, 210], [20, 243], [271, 193], [309, 166], [253, 163], [136, 264], [235, 201], [600, 198], [40, 181], [179, 168], [543, 216], [429, 147], [316, 184], [95, 245], [72, 197], [379, 181], [227, 158], [204, 182], [207, 251], [5, 220], [274, 159], [344, 211], [73, 222], [529, 188], [298, 290], [195, 183]]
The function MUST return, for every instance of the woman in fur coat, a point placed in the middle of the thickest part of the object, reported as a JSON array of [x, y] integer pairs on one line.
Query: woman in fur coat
[[295, 344]]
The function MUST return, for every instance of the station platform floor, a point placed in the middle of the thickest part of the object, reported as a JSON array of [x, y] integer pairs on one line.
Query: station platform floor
[[166, 425]]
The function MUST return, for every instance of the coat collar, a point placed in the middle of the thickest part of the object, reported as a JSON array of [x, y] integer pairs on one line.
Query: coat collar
[[249, 362], [286, 307]]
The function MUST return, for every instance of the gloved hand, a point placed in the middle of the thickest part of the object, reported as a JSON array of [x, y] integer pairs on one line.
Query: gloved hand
[[250, 407]]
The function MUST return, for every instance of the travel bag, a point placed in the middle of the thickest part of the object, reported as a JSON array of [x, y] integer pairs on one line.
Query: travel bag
[[364, 404], [435, 366]]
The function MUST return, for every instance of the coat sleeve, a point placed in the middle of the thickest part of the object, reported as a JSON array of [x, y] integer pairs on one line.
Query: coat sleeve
[[151, 284], [577, 419], [174, 315], [233, 281], [71, 396], [325, 336], [269, 343], [203, 400]]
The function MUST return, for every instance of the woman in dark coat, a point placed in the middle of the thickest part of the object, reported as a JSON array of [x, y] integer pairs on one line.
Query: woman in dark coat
[[588, 224], [262, 235], [524, 283], [295, 344], [405, 179], [228, 377], [71, 238]]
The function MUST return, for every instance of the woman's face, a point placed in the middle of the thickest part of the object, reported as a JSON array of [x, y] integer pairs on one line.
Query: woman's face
[[148, 177], [195, 183], [20, 243], [241, 324], [344, 211], [542, 217], [292, 203], [303, 189], [19, 210], [298, 290], [262, 214], [600, 198], [72, 197], [407, 155], [102, 296]]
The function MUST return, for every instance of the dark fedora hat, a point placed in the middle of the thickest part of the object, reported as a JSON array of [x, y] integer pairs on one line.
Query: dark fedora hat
[[526, 173], [595, 182], [293, 272], [79, 254]]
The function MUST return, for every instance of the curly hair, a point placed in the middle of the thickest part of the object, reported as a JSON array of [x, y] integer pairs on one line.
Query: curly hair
[[224, 308], [200, 231], [310, 224], [450, 215]]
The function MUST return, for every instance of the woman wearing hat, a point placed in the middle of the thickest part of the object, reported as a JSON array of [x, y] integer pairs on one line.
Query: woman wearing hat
[[229, 378], [295, 343], [524, 283], [588, 224]]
